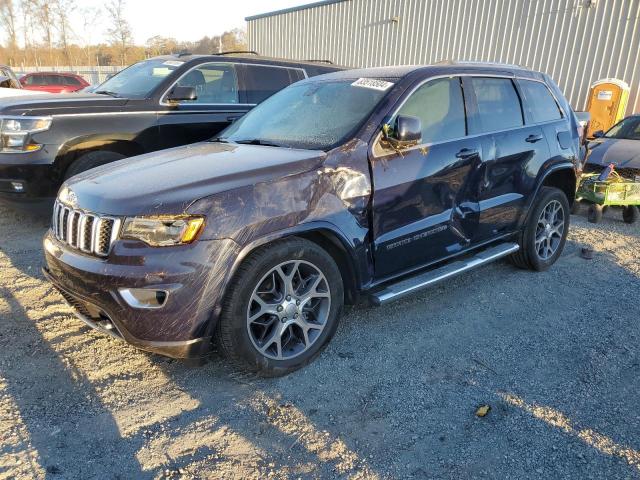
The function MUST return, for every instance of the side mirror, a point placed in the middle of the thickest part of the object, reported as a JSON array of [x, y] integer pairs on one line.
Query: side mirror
[[180, 94], [598, 134], [406, 132]]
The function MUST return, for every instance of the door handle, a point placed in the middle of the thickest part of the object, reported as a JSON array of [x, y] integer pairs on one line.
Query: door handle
[[533, 138], [466, 153]]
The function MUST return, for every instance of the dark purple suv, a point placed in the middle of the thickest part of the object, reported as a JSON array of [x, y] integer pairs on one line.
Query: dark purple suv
[[364, 184]]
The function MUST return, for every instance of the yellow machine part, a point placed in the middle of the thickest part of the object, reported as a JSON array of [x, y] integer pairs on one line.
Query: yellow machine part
[[607, 104]]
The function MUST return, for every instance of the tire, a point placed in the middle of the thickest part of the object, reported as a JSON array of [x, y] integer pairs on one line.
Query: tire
[[541, 255], [91, 160], [575, 208], [630, 214], [251, 346], [595, 212]]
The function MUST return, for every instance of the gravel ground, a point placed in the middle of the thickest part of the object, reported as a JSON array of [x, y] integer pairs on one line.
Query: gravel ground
[[555, 355]]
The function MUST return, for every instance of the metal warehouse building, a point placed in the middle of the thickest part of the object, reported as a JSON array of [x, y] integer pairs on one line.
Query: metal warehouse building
[[575, 41]]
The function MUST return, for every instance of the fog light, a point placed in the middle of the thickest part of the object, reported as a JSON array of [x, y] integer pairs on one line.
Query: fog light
[[17, 186], [144, 297]]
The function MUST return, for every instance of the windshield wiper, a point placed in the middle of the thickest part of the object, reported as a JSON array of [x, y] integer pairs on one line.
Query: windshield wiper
[[107, 92], [218, 140], [258, 141]]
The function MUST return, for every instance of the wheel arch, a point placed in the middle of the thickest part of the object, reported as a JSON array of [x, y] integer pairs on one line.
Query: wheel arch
[[323, 234], [561, 176], [74, 149]]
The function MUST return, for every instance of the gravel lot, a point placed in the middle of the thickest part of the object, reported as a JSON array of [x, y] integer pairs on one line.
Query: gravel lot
[[555, 355]]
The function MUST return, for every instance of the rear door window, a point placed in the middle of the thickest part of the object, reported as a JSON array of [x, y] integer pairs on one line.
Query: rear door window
[[54, 80], [439, 105], [499, 105], [538, 102], [71, 81], [262, 81]]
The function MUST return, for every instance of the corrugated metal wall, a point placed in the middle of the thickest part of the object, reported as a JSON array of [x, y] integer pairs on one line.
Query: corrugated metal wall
[[572, 41]]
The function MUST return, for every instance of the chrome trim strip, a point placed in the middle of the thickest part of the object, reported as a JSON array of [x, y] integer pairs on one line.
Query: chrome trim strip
[[95, 235]]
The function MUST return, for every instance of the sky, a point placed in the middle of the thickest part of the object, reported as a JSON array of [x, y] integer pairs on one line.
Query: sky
[[186, 20]]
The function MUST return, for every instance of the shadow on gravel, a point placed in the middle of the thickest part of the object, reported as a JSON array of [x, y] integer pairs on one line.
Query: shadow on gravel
[[394, 395], [396, 391], [21, 235], [59, 387]]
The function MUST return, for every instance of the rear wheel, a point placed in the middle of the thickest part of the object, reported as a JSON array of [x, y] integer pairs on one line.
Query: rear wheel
[[91, 160], [594, 215], [630, 214], [282, 308], [543, 239]]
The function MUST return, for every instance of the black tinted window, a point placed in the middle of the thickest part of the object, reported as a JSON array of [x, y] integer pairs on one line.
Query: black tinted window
[[498, 103], [261, 81], [71, 81], [539, 102], [53, 80], [440, 107]]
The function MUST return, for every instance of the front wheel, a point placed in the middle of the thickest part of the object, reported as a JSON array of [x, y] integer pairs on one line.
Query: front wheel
[[282, 308], [545, 234]]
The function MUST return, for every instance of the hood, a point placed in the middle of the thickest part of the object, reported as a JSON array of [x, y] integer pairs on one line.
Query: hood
[[168, 181], [17, 92], [623, 153], [42, 103]]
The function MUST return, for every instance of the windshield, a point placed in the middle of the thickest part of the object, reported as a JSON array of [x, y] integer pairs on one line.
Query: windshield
[[628, 129], [140, 79], [315, 116]]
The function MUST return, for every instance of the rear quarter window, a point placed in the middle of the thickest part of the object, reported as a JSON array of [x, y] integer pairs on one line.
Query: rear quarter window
[[538, 102], [262, 81], [499, 105]]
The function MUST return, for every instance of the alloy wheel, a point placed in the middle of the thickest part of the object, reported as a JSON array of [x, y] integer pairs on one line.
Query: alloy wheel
[[550, 230], [288, 309]]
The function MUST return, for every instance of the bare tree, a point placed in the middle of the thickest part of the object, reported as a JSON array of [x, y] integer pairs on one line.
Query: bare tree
[[91, 16], [61, 11], [120, 31], [44, 17], [9, 24]]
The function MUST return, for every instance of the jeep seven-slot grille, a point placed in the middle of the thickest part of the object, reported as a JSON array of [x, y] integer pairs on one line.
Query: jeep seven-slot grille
[[87, 232]]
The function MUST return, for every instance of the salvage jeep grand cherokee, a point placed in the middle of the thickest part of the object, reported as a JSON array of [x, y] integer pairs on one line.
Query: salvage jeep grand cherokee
[[368, 183]]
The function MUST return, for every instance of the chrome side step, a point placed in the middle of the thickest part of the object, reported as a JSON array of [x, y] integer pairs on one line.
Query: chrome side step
[[423, 280]]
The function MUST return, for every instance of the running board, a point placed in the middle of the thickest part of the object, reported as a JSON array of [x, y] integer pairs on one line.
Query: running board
[[410, 285]]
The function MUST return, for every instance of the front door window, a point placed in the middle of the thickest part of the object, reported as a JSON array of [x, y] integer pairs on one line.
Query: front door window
[[215, 83]]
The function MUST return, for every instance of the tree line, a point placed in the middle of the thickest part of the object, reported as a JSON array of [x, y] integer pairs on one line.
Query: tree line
[[40, 33]]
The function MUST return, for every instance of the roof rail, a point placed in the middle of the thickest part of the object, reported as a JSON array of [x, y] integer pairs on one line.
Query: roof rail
[[478, 62], [312, 60], [231, 52]]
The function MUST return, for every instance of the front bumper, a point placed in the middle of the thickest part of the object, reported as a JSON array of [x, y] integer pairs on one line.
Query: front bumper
[[195, 275], [35, 172]]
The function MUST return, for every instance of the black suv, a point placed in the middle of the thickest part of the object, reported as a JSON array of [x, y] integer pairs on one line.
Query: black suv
[[155, 104], [358, 184]]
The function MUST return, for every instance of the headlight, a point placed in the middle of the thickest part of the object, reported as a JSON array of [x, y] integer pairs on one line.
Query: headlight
[[15, 133], [163, 231]]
